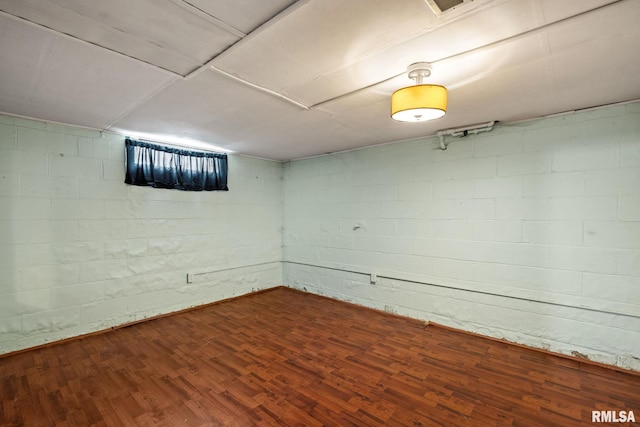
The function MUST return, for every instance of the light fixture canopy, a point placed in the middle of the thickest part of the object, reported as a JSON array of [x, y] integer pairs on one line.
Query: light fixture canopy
[[420, 102]]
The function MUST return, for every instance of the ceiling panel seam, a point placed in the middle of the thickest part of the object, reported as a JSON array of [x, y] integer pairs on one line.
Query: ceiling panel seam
[[258, 87], [161, 87], [212, 19], [269, 22]]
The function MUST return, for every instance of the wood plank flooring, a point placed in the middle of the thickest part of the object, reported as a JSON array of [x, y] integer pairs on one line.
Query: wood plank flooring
[[287, 358]]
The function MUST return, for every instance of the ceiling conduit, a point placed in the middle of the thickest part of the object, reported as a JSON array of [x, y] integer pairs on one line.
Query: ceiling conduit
[[464, 131]]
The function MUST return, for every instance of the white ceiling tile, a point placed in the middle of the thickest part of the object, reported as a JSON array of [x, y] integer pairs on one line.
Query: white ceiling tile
[[56, 78], [333, 55], [592, 57], [209, 108], [328, 35], [158, 32], [604, 27], [554, 10], [23, 52], [501, 60]]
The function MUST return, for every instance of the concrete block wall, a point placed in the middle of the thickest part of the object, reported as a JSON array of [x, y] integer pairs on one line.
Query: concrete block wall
[[81, 251], [530, 232]]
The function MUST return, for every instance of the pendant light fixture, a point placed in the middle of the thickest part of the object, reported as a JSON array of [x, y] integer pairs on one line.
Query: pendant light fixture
[[420, 102]]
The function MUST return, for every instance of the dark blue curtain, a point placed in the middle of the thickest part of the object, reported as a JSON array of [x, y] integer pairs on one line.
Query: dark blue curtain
[[166, 167]]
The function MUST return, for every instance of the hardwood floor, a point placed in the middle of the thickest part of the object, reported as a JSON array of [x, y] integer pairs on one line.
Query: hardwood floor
[[288, 358]]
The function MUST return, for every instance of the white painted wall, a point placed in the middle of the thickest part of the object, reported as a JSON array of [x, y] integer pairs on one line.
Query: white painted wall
[[81, 251], [530, 232]]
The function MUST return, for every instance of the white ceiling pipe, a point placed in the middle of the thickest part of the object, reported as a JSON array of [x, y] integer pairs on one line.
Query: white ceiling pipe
[[464, 131]]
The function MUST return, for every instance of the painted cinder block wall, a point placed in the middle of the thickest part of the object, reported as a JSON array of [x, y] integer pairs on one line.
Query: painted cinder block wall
[[81, 251], [530, 232]]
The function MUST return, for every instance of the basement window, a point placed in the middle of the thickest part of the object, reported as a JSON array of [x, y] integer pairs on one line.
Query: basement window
[[161, 166]]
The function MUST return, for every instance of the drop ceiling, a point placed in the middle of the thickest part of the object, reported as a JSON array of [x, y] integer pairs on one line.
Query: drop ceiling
[[284, 79]]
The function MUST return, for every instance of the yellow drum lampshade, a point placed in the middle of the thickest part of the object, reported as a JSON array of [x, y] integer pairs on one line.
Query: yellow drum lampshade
[[419, 103]]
